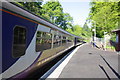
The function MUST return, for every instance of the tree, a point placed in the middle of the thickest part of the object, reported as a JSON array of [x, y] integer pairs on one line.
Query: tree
[[104, 16], [76, 30], [67, 21], [86, 31], [53, 11], [34, 7]]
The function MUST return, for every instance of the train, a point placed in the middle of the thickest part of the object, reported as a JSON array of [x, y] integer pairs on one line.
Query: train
[[28, 41]]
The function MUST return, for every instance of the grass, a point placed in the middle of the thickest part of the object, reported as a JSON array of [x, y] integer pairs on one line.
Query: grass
[[110, 47]]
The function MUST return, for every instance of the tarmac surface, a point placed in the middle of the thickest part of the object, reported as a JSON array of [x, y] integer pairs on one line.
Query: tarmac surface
[[90, 62]]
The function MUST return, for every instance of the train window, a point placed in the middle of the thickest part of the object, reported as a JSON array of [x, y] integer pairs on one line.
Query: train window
[[43, 41], [70, 39], [57, 41], [64, 40], [19, 42]]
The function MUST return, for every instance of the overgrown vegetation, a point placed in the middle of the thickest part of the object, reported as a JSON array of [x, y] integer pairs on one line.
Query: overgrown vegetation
[[84, 32], [113, 37], [53, 11], [104, 16]]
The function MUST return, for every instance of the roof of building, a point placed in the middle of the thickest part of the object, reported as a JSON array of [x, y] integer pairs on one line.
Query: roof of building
[[117, 30]]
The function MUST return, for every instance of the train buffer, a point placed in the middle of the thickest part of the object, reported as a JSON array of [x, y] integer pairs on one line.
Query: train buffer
[[88, 62]]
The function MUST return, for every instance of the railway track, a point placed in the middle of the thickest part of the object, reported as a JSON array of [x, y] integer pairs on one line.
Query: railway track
[[39, 73]]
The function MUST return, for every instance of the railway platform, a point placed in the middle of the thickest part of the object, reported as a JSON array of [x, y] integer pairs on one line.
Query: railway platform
[[89, 62]]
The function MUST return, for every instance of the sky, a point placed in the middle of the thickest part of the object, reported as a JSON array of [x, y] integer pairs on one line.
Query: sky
[[78, 9]]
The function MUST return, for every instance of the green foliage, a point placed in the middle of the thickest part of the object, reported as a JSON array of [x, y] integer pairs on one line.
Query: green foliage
[[113, 37], [66, 21], [75, 30], [53, 12], [110, 47], [104, 16], [34, 7], [84, 32]]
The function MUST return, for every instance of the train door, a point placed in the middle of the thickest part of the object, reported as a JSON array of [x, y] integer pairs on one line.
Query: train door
[[75, 41]]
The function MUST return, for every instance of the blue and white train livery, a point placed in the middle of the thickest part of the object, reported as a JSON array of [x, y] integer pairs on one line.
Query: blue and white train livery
[[28, 41]]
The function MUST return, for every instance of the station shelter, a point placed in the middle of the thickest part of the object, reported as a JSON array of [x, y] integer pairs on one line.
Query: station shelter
[[117, 39]]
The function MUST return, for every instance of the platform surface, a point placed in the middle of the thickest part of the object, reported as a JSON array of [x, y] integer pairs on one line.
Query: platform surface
[[90, 62]]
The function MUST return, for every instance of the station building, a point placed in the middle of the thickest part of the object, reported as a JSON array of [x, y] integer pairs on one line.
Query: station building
[[117, 39]]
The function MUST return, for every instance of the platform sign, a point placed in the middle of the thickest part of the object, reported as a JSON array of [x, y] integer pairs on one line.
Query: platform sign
[[117, 40]]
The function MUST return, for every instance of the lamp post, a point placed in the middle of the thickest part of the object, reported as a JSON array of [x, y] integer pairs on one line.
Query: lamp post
[[105, 40], [94, 35]]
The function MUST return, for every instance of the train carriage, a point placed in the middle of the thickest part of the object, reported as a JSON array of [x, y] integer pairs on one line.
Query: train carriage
[[28, 41]]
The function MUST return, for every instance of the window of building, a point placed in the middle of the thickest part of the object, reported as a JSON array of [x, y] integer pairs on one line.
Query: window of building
[[19, 42]]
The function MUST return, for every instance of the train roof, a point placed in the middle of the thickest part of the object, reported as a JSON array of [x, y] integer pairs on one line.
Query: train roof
[[26, 13]]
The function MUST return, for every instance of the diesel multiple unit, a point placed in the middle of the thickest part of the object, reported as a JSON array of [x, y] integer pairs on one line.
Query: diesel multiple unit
[[28, 41]]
